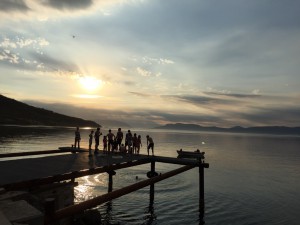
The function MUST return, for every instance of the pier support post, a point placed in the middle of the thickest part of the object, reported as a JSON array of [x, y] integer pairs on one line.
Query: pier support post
[[110, 180], [49, 207], [201, 188], [152, 185]]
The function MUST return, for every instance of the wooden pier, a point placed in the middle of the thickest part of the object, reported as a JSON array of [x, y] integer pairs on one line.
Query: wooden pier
[[63, 166]]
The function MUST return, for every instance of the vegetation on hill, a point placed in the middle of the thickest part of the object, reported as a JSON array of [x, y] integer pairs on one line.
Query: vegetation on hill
[[13, 112]]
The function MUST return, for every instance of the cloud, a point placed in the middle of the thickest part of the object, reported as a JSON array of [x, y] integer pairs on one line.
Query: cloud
[[267, 116], [53, 9], [235, 95], [69, 4], [86, 96], [139, 94], [19, 42], [7, 56], [185, 118], [150, 67], [135, 118], [26, 54], [198, 100], [251, 115], [143, 72], [150, 61], [22, 5], [50, 63], [13, 5]]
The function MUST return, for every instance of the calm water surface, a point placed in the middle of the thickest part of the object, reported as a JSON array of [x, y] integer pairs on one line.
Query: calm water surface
[[252, 179]]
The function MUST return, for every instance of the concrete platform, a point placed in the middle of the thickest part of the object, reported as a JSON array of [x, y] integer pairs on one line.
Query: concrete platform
[[33, 168]]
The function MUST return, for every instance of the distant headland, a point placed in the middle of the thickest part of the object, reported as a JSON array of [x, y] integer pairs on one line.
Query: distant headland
[[17, 113], [237, 129]]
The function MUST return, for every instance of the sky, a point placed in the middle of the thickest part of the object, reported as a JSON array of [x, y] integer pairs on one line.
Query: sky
[[153, 62]]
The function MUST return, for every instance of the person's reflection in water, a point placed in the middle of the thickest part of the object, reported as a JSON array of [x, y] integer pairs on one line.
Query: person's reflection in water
[[91, 162]]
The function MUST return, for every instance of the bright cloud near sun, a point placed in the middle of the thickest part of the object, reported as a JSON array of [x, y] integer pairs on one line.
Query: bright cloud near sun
[[89, 83]]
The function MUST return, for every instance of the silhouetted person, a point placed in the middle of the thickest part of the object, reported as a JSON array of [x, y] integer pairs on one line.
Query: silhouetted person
[[134, 143], [91, 135], [150, 144], [110, 137], [128, 141], [139, 144], [119, 138], [77, 138], [97, 138], [104, 144]]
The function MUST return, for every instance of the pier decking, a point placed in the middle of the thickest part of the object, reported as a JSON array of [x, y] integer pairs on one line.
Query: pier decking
[[26, 173]]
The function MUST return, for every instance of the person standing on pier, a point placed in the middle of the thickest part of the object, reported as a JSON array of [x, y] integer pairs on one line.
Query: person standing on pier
[[134, 143], [139, 144], [110, 137], [128, 141], [97, 138], [104, 144], [150, 144], [77, 138], [119, 138], [91, 135]]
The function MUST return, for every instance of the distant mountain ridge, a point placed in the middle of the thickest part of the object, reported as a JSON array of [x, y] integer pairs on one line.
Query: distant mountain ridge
[[238, 129], [13, 112]]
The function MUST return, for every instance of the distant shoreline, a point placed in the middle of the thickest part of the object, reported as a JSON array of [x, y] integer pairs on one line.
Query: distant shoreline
[[279, 130]]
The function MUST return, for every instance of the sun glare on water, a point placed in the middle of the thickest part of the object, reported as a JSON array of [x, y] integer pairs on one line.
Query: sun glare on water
[[90, 83]]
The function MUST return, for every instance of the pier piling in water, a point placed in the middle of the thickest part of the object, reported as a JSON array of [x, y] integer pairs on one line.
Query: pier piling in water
[[152, 185]]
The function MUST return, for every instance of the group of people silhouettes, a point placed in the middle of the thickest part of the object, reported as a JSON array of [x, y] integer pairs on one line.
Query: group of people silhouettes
[[114, 143]]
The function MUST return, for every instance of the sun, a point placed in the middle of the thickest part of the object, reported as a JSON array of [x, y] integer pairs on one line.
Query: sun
[[90, 83]]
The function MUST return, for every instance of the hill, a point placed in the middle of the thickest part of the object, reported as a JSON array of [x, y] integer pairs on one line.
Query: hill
[[17, 113], [238, 129]]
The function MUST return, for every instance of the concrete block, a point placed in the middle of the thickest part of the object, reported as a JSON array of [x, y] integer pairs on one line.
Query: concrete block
[[22, 212], [3, 219], [12, 195]]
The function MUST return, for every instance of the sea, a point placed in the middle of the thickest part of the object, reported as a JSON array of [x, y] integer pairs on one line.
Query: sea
[[252, 179]]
